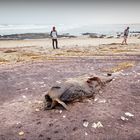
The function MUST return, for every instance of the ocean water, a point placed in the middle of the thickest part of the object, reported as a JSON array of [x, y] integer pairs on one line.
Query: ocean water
[[75, 29]]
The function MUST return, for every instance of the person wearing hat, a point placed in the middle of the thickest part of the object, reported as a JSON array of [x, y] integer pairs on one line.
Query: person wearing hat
[[126, 33], [53, 35]]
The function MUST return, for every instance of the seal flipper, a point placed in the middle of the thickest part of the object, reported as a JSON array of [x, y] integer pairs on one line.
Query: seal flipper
[[52, 105], [62, 103]]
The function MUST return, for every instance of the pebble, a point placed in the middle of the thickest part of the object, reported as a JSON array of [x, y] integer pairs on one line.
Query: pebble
[[37, 110], [123, 118], [26, 88], [58, 82], [21, 133], [85, 123], [24, 96], [102, 101], [95, 99], [97, 125], [86, 133], [129, 114]]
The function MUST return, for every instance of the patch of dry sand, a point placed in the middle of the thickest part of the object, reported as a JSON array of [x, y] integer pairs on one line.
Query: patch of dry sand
[[38, 53]]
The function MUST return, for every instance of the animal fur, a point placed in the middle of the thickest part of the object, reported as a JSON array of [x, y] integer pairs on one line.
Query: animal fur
[[75, 89]]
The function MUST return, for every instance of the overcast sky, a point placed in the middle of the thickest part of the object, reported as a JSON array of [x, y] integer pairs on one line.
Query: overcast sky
[[69, 12]]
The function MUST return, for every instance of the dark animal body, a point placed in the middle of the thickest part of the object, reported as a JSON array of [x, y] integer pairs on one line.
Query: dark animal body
[[75, 89]]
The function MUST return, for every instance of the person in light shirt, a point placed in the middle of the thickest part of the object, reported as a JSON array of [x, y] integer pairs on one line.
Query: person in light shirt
[[126, 33], [53, 35]]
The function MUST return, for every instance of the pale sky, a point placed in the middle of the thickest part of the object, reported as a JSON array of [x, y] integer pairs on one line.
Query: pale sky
[[69, 12]]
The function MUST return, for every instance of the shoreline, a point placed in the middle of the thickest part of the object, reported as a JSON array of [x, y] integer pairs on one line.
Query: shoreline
[[28, 36]]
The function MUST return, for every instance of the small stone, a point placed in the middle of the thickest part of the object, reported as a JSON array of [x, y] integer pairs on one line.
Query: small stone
[[129, 114], [58, 82], [109, 74], [21, 133], [64, 116], [102, 101], [75, 128], [95, 99], [19, 125], [97, 125], [85, 123], [123, 118], [86, 133], [26, 88], [37, 110], [24, 96]]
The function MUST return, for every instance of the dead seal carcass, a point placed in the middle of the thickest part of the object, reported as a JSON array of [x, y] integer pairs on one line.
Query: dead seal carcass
[[75, 89]]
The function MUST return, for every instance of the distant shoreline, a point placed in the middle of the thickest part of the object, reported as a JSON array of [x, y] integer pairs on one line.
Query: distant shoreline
[[25, 36]]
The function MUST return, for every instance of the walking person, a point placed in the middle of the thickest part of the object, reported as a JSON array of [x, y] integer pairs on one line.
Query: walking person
[[53, 35], [126, 33]]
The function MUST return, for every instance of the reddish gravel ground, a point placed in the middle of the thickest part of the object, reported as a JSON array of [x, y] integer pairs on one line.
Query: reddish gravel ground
[[23, 85]]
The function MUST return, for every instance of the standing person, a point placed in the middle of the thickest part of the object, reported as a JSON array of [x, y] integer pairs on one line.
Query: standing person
[[126, 33], [53, 34]]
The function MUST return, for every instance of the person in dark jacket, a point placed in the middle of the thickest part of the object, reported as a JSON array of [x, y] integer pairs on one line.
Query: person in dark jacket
[[125, 35]]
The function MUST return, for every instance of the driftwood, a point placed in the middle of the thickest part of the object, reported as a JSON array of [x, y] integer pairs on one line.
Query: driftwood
[[75, 89]]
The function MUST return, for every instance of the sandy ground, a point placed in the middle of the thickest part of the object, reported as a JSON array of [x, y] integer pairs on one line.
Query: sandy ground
[[82, 41], [27, 73]]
